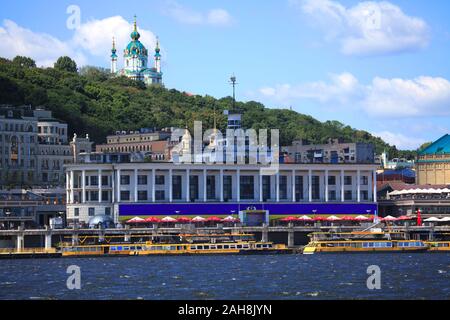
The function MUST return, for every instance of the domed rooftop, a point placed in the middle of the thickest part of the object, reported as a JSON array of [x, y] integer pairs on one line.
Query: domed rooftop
[[135, 47]]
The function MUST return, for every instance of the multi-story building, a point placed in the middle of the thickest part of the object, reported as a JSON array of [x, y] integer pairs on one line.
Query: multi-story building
[[396, 198], [53, 149], [433, 165], [334, 152], [152, 145], [34, 147], [18, 145], [124, 190]]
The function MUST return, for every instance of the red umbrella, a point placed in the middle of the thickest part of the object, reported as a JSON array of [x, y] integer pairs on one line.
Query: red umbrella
[[320, 218], [348, 218], [363, 218], [405, 218], [183, 220], [214, 219], [152, 220], [289, 219]]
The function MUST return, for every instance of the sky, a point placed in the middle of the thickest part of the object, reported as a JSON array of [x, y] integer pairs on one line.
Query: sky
[[380, 66]]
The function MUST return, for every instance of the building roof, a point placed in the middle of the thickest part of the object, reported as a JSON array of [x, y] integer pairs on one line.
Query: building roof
[[440, 146], [405, 186]]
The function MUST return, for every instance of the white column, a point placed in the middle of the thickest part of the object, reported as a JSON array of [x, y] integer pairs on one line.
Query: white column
[[342, 186], [221, 185], [375, 186], [67, 188], [153, 185], [238, 185], [118, 185], [310, 185], [83, 186], [358, 185], [293, 186], [113, 186], [100, 186], [188, 183], [204, 185], [71, 187], [170, 186], [135, 185], [326, 185], [370, 190], [277, 186], [261, 198]]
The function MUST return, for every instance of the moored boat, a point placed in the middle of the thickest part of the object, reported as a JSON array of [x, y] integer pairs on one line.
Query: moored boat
[[362, 242], [194, 244], [438, 246]]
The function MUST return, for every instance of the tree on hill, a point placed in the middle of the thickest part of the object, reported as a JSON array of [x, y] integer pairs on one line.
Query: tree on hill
[[66, 64], [93, 102], [24, 62]]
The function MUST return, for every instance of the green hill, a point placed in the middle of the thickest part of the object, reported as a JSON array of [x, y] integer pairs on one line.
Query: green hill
[[93, 102]]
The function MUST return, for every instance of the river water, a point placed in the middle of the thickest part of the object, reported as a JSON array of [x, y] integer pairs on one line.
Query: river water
[[326, 276]]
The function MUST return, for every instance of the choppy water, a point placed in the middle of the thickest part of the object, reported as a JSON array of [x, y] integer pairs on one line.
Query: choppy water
[[340, 276]]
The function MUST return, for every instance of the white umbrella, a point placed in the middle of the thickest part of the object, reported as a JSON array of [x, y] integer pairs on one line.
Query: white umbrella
[[228, 219], [446, 219], [389, 218], [135, 220], [305, 218], [199, 219], [168, 219], [432, 219], [333, 218], [362, 218]]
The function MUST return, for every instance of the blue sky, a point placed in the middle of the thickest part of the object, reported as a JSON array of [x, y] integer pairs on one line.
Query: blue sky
[[378, 66]]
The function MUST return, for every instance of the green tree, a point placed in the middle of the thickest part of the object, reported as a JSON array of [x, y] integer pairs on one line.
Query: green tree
[[66, 64], [24, 62]]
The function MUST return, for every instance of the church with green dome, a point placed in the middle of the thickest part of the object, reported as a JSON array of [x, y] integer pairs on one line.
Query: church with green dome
[[136, 59]]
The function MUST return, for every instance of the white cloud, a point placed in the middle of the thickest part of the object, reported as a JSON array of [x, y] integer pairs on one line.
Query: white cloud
[[342, 87], [219, 17], [400, 140], [368, 28], [382, 98], [214, 17], [422, 96], [43, 48], [93, 38]]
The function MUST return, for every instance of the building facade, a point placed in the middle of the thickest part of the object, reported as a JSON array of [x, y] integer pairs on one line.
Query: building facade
[[151, 145], [18, 145], [33, 147], [433, 165], [136, 59], [332, 152], [400, 199], [124, 190]]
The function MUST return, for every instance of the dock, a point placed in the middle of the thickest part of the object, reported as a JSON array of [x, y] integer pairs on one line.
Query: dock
[[46, 240]]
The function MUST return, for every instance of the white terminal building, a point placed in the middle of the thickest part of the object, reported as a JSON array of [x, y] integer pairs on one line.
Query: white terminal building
[[124, 190]]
